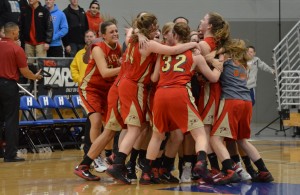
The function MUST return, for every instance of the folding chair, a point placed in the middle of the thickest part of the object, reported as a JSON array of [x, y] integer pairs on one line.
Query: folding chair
[[68, 112], [33, 125], [61, 123], [76, 102], [63, 103]]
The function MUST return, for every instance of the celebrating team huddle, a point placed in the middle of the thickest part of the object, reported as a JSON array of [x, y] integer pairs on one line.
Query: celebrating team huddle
[[171, 97]]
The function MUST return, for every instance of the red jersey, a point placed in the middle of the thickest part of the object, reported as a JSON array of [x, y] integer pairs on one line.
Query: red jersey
[[123, 69], [210, 94], [92, 77], [211, 42], [12, 58], [138, 69], [175, 70]]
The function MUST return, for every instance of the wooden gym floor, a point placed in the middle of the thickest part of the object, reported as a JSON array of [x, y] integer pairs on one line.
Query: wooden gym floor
[[52, 173]]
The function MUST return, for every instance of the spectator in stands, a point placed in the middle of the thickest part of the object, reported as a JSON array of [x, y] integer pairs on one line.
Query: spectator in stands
[[78, 67], [60, 29], [9, 11], [36, 28], [78, 25], [181, 19], [254, 64], [13, 61], [23, 4], [94, 17]]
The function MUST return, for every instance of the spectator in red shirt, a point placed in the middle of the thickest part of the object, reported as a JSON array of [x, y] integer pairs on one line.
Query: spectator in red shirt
[[94, 18], [13, 61], [36, 28]]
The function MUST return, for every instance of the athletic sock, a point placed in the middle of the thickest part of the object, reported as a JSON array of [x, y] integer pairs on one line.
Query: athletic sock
[[235, 158], [180, 165], [213, 160], [133, 155], [194, 161], [227, 165], [86, 161], [157, 163], [108, 153], [188, 158], [248, 165], [142, 154], [201, 156], [147, 165], [168, 163], [261, 165]]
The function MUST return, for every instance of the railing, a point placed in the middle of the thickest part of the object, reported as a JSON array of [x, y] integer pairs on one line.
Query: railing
[[286, 56]]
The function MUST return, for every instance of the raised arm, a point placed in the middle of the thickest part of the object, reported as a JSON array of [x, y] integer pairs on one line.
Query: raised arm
[[155, 47], [205, 48], [155, 74], [128, 34], [265, 67], [102, 65], [201, 65]]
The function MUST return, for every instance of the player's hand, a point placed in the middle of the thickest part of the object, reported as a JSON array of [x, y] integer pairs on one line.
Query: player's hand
[[143, 41], [197, 46], [196, 52]]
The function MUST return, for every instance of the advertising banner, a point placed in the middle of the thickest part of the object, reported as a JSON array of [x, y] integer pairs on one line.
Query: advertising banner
[[57, 77]]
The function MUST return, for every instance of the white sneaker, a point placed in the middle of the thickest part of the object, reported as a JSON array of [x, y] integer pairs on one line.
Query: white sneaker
[[186, 173], [99, 165], [244, 175]]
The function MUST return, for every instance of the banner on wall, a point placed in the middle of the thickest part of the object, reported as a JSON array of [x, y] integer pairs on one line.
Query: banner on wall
[[57, 75]]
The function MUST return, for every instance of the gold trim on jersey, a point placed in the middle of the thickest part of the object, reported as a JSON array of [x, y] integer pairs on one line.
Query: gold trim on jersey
[[141, 80], [112, 123], [110, 46], [224, 128], [193, 120]]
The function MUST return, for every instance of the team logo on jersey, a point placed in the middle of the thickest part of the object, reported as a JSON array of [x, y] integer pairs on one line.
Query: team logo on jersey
[[113, 58], [223, 129], [112, 124], [132, 118], [241, 75], [193, 121], [210, 117]]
